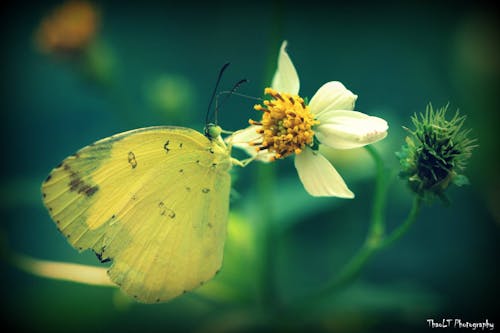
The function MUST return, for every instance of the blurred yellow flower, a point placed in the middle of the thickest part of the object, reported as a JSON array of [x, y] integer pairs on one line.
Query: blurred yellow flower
[[68, 28]]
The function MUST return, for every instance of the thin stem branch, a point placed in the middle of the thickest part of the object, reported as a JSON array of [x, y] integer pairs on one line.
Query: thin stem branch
[[403, 228]]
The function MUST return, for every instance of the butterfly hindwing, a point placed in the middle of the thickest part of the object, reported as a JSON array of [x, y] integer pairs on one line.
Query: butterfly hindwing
[[154, 201]]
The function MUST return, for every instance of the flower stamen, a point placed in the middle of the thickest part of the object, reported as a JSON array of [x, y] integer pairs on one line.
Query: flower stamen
[[286, 124]]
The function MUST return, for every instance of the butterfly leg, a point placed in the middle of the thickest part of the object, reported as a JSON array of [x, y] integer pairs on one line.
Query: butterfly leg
[[242, 163]]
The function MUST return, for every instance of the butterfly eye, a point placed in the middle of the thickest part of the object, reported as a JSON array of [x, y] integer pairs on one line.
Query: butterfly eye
[[212, 131]]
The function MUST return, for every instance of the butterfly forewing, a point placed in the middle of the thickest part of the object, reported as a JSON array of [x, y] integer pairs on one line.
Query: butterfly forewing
[[154, 201]]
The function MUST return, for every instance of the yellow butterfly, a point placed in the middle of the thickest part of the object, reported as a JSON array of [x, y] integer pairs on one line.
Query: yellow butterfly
[[154, 201]]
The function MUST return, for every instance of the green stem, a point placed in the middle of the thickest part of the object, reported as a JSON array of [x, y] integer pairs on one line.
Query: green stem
[[266, 175], [265, 185], [351, 269], [381, 184]]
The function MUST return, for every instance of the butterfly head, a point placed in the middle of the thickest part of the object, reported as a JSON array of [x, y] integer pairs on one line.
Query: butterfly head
[[212, 131]]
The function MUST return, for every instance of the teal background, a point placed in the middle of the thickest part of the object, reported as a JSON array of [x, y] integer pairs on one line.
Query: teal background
[[395, 57]]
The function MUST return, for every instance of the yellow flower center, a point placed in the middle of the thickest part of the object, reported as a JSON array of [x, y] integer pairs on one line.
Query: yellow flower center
[[286, 124]]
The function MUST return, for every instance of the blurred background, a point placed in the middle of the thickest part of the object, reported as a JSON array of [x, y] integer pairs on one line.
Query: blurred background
[[73, 73]]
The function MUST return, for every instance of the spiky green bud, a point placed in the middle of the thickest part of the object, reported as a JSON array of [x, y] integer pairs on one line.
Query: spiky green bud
[[436, 152]]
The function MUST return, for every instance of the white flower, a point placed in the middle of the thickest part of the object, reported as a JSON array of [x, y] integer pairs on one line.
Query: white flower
[[289, 126]]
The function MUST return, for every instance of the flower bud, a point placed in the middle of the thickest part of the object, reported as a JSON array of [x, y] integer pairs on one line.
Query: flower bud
[[435, 153]]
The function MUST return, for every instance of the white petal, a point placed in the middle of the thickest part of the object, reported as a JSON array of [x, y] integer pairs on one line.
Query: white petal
[[319, 177], [245, 136], [332, 96], [349, 129], [285, 79], [241, 139]]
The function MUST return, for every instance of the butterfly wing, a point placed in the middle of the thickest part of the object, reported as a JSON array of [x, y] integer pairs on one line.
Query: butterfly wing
[[154, 201]]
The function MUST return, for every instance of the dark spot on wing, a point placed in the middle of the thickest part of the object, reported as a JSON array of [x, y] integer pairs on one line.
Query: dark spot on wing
[[165, 211], [188, 188], [132, 160], [180, 145], [101, 258], [181, 170], [165, 146], [44, 195], [209, 225], [48, 178], [205, 190], [197, 161], [90, 190], [78, 185], [211, 150], [214, 165], [157, 300], [75, 184], [59, 165]]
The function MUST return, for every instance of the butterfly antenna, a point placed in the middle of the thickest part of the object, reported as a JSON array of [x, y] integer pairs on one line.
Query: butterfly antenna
[[219, 77], [228, 94]]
